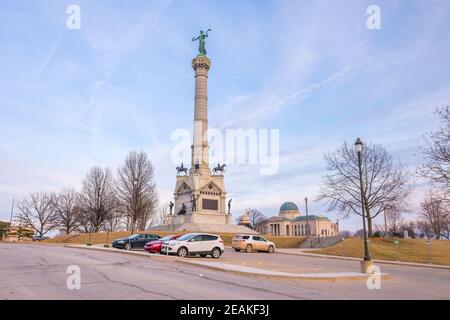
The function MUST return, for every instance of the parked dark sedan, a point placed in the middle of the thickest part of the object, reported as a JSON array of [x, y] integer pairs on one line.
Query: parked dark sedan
[[135, 241], [40, 238]]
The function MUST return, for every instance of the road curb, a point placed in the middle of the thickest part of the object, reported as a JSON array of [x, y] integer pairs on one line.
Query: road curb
[[133, 253], [400, 263], [325, 277]]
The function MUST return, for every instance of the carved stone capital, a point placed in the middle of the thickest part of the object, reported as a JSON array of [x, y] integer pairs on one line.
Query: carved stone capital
[[201, 64]]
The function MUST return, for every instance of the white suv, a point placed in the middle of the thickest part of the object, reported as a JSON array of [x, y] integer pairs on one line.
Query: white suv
[[202, 244]]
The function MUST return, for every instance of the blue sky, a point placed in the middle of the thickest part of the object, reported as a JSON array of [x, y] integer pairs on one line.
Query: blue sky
[[72, 99]]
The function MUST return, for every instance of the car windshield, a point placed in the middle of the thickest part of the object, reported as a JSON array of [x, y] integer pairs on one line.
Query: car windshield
[[167, 238], [133, 236], [186, 237], [241, 237]]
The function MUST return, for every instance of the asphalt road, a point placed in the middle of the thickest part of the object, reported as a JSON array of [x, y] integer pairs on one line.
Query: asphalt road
[[39, 272]]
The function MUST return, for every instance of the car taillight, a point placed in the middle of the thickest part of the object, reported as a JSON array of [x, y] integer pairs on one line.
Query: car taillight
[[221, 241]]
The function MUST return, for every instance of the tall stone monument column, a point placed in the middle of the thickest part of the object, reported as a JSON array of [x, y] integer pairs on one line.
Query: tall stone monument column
[[200, 150], [200, 196]]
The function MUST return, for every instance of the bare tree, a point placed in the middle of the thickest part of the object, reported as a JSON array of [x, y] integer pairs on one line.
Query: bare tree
[[162, 216], [384, 182], [410, 227], [68, 210], [437, 152], [435, 220], [256, 218], [98, 198], [345, 234], [394, 219], [115, 219], [380, 229], [446, 230], [84, 224], [424, 229], [137, 190], [38, 211], [434, 217]]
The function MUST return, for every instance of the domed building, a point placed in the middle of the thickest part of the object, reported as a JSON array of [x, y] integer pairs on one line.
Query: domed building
[[291, 222], [289, 210]]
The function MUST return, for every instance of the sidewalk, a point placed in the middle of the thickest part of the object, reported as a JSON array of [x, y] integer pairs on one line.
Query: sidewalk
[[239, 269], [331, 276], [301, 252]]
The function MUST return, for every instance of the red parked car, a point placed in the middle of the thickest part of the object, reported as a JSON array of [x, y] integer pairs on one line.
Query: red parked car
[[155, 245]]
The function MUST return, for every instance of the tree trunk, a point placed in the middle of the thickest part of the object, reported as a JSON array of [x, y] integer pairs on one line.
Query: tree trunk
[[369, 220], [369, 228]]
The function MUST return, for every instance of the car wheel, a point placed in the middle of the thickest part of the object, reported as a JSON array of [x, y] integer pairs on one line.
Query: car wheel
[[271, 249], [182, 252], [249, 248], [237, 250], [216, 253], [127, 246]]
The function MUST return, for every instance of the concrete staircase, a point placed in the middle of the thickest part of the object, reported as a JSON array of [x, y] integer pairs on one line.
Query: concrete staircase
[[317, 242]]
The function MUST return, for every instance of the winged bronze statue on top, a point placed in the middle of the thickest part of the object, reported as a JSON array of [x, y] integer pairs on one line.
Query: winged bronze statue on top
[[201, 42]]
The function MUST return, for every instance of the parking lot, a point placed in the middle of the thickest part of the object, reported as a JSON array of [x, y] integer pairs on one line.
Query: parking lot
[[33, 271]]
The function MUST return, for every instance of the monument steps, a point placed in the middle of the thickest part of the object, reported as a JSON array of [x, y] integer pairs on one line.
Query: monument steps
[[209, 228]]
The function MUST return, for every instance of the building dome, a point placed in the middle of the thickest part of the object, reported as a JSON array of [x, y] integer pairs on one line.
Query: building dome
[[289, 210], [288, 206]]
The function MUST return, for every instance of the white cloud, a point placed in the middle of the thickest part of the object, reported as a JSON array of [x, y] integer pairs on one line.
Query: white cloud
[[252, 108]]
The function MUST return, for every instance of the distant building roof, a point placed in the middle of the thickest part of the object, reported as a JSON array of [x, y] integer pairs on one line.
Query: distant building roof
[[276, 219], [311, 217]]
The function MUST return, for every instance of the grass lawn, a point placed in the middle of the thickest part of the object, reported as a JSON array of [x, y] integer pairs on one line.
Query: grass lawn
[[100, 238], [407, 250]]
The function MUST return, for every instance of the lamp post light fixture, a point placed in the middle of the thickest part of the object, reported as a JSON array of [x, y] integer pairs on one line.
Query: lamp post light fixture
[[99, 212], [135, 195], [106, 245], [367, 260], [385, 222], [12, 213], [306, 211]]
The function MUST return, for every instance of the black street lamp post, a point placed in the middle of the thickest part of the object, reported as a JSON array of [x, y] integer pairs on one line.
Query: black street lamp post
[[99, 208], [307, 220], [359, 148], [135, 199]]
